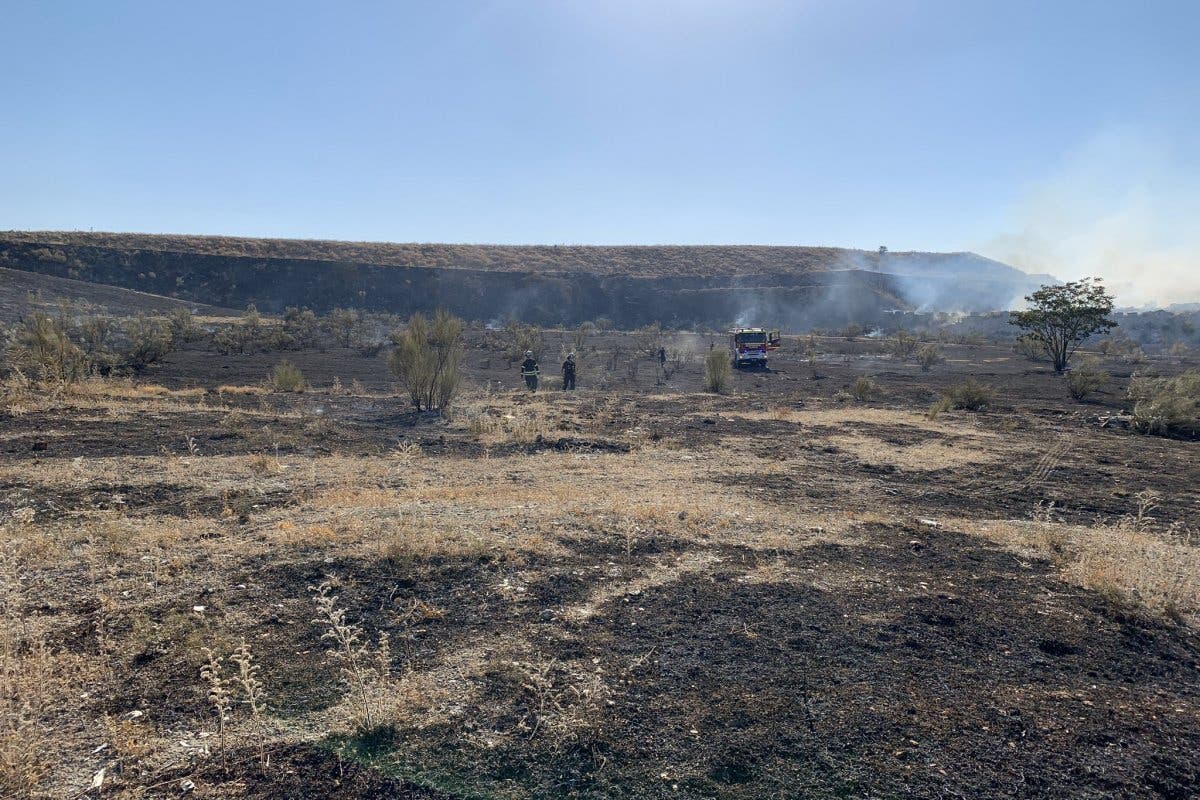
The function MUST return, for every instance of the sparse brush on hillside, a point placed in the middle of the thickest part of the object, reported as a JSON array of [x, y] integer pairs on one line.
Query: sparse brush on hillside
[[1086, 379], [1167, 406], [717, 370], [287, 377], [427, 360]]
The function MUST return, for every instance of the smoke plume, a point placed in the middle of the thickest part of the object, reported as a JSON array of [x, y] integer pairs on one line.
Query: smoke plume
[[1123, 207]]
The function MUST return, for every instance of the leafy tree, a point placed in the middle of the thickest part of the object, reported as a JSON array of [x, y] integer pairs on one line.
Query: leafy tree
[[1060, 318]]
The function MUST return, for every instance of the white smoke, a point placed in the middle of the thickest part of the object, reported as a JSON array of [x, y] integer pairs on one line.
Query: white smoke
[[1123, 207]]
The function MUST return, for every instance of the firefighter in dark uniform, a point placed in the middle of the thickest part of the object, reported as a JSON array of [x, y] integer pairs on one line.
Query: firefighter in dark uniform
[[529, 369], [569, 373]]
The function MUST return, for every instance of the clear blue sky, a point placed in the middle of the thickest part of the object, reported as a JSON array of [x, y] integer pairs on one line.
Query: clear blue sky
[[920, 125]]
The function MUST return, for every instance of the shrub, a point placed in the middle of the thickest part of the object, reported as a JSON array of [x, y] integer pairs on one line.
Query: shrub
[[1029, 348], [427, 359], [971, 395], [341, 323], [40, 348], [717, 370], [929, 355], [942, 405], [96, 333], [1167, 406], [149, 341], [286, 377], [522, 338], [1086, 379], [902, 345], [862, 388], [648, 339], [183, 325], [302, 326]]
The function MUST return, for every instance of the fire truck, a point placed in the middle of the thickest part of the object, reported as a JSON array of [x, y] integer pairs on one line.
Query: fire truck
[[749, 347]]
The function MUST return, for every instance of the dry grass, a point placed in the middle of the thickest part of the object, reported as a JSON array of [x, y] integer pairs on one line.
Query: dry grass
[[148, 569], [1155, 568]]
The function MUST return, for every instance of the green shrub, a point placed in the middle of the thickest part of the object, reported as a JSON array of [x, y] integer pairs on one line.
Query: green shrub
[[149, 341], [1086, 379], [971, 395], [1167, 406], [862, 388], [929, 355], [286, 377], [41, 349], [717, 370], [183, 325], [427, 359], [902, 345]]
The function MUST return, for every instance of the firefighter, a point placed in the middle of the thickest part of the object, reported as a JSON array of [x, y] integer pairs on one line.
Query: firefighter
[[529, 368], [568, 370]]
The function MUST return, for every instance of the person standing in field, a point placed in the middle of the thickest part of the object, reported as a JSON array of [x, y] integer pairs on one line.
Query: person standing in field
[[568, 372], [529, 369]]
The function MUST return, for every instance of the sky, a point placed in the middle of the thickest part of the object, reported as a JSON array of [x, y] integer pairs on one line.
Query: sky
[[1061, 137]]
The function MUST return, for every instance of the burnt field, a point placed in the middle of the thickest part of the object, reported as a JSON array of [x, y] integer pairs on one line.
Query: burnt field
[[796, 588]]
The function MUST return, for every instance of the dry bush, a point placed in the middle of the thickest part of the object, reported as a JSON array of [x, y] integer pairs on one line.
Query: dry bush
[[286, 377], [41, 349], [1086, 379], [903, 345], [183, 325], [428, 360], [149, 341], [970, 395], [523, 338], [1030, 348], [560, 701], [1167, 406], [929, 356], [862, 389], [717, 370]]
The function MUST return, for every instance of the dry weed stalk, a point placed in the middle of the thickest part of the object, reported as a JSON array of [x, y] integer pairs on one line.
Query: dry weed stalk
[[248, 680], [218, 695], [349, 652]]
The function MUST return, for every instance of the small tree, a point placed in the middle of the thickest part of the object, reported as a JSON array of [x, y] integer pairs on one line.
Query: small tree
[[1061, 318], [427, 359]]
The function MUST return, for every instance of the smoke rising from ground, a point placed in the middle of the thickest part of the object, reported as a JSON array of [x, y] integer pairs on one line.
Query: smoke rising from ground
[[1124, 207]]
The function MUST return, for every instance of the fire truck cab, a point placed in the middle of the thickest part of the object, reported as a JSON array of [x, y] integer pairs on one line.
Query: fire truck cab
[[749, 347]]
